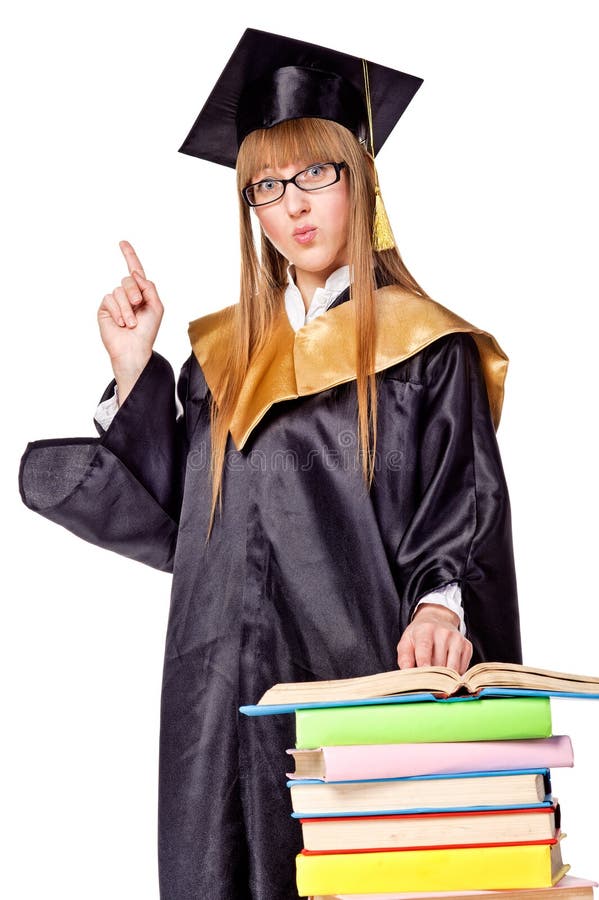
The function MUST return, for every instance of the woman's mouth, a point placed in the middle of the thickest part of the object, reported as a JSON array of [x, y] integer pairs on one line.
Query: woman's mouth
[[304, 235]]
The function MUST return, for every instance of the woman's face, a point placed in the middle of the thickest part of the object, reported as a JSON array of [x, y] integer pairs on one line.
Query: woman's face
[[309, 228]]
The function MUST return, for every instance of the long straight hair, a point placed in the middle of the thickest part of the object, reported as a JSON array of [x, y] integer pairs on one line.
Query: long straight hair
[[264, 277]]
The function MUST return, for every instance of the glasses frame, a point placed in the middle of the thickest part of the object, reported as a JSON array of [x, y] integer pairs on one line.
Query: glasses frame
[[285, 181]]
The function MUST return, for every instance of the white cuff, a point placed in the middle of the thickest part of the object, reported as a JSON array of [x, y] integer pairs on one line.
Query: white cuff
[[450, 595], [107, 410]]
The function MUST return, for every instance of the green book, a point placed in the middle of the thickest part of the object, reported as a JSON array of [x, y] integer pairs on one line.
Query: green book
[[494, 719]]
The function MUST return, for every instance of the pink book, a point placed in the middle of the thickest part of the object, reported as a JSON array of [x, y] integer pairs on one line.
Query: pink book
[[354, 763]]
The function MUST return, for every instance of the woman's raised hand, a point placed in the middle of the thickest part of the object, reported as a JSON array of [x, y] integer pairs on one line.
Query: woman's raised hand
[[129, 319]]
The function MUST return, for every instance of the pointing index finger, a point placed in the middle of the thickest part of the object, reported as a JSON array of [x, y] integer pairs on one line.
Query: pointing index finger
[[131, 257]]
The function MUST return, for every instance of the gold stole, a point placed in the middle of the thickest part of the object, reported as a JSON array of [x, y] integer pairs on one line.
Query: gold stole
[[321, 354]]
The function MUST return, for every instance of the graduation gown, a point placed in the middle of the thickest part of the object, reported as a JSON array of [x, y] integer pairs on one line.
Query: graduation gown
[[308, 574]]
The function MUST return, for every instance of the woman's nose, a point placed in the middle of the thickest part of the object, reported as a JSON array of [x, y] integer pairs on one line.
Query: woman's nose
[[296, 200]]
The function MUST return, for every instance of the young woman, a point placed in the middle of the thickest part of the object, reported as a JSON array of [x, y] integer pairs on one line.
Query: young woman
[[330, 500]]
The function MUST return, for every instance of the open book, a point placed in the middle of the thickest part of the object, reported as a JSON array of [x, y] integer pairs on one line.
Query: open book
[[436, 680]]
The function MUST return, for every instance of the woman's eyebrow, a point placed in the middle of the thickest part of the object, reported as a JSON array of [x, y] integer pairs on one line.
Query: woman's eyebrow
[[275, 168], [262, 172]]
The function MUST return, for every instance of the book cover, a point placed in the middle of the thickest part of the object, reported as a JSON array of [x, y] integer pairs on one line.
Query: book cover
[[422, 792], [466, 868], [349, 762], [412, 830], [502, 719]]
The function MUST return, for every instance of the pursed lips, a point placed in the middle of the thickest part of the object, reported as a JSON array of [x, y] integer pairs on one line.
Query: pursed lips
[[304, 234]]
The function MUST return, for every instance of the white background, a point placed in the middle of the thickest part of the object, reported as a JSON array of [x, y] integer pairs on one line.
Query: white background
[[491, 184]]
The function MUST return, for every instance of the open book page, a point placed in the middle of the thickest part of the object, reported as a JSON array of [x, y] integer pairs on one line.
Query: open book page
[[438, 680], [434, 679], [513, 675]]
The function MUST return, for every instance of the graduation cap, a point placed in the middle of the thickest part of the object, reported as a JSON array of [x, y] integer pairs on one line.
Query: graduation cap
[[270, 78]]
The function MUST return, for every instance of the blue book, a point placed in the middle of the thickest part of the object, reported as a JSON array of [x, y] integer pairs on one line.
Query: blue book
[[459, 792]]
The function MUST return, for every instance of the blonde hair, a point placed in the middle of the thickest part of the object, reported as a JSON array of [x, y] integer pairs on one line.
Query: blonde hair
[[264, 277]]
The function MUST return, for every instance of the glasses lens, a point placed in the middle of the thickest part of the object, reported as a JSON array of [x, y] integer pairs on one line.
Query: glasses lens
[[264, 191], [317, 176]]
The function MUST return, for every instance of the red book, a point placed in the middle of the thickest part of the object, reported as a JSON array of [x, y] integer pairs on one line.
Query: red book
[[418, 830]]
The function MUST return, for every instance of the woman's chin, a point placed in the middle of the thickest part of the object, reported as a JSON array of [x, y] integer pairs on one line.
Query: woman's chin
[[316, 262]]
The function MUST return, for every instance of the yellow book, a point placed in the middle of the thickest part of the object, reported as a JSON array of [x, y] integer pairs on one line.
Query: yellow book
[[464, 868]]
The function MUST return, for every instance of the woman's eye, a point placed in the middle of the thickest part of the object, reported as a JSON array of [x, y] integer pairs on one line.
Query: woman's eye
[[265, 187], [314, 171]]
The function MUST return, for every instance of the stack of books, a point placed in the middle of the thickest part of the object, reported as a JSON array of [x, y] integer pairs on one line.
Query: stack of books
[[423, 781]]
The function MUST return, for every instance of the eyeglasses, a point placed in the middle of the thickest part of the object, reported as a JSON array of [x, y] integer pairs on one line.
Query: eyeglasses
[[316, 176]]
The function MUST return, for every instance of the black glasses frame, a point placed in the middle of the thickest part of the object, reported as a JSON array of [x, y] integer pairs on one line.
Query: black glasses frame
[[292, 180]]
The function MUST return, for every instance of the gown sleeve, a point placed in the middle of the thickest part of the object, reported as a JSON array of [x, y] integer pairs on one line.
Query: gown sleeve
[[461, 527], [121, 491]]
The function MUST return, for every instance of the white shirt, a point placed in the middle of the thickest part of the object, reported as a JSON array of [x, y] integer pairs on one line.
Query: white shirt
[[450, 595], [322, 299]]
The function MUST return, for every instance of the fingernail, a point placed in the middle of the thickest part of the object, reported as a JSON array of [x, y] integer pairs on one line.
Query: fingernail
[[132, 322], [122, 322], [136, 300]]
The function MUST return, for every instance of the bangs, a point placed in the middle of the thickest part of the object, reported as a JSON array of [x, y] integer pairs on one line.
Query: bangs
[[295, 140]]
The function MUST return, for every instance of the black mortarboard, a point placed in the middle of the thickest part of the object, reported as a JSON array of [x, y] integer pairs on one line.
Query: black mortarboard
[[270, 78]]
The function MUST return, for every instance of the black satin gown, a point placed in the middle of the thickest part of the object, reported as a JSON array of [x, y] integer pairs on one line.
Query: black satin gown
[[307, 575]]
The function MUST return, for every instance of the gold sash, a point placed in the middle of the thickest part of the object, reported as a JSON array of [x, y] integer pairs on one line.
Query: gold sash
[[321, 354]]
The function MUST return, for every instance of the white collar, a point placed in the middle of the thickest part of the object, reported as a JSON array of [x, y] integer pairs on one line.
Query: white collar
[[337, 281]]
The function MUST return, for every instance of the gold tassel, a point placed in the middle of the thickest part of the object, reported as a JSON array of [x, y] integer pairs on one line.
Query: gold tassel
[[382, 236]]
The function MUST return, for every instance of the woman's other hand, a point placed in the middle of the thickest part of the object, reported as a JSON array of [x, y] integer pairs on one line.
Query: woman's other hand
[[433, 638], [129, 319]]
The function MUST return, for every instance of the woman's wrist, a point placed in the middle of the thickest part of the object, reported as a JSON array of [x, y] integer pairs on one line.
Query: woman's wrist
[[436, 612], [126, 374]]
